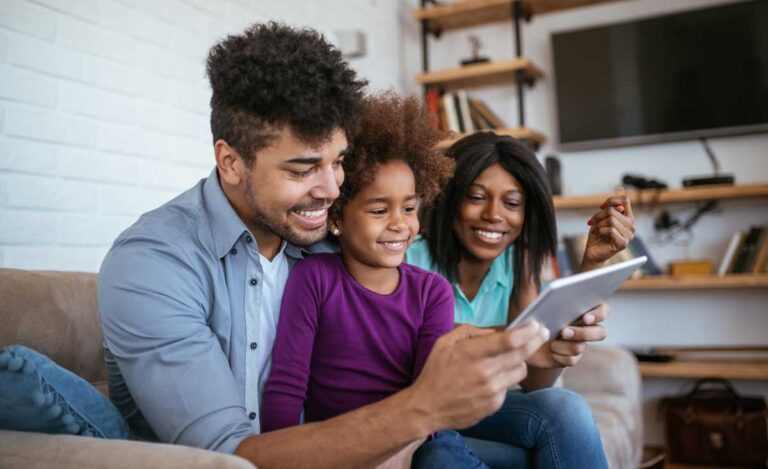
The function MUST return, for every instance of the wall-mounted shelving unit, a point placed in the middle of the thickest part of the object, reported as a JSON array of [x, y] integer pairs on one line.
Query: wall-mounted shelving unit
[[483, 74], [650, 196], [522, 133], [696, 282], [729, 369], [436, 19]]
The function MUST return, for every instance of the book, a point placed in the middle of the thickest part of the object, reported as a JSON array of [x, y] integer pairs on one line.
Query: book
[[477, 119], [748, 251], [450, 113], [442, 119], [463, 109], [563, 262], [459, 114], [637, 248], [762, 254], [730, 253], [574, 248], [487, 114], [739, 249], [433, 106]]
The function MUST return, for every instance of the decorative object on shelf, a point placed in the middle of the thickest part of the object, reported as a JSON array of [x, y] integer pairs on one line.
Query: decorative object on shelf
[[640, 182], [475, 45], [716, 426], [690, 267], [552, 166], [716, 178]]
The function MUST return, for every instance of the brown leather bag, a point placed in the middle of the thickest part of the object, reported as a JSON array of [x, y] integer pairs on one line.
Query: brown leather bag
[[716, 427]]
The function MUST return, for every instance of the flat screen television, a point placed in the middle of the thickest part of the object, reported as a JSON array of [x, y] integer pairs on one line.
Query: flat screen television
[[700, 73]]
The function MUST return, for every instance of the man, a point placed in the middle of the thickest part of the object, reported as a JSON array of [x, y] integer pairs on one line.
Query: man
[[189, 295]]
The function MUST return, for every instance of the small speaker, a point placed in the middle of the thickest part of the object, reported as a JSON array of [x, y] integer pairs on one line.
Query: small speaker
[[552, 167]]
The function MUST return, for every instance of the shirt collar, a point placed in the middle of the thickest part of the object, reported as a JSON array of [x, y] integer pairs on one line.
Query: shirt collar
[[226, 225], [501, 268]]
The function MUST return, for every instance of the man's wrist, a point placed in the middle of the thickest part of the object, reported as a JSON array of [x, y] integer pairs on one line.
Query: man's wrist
[[414, 413]]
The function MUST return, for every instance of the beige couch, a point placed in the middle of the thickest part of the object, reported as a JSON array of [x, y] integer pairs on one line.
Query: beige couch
[[55, 314]]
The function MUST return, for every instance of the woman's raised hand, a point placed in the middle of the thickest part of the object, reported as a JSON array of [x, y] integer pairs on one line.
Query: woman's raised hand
[[611, 229]]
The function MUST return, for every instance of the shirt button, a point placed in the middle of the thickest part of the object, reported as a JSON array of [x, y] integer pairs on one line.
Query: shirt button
[[252, 415], [254, 345], [248, 239], [254, 281], [233, 251]]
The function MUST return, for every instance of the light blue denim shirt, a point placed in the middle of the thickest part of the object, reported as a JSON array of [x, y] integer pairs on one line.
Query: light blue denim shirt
[[490, 306], [180, 297]]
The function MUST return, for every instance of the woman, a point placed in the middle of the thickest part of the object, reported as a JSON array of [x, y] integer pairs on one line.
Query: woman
[[489, 234]]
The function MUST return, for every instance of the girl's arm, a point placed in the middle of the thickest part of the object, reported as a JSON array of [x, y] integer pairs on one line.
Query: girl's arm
[[286, 388]]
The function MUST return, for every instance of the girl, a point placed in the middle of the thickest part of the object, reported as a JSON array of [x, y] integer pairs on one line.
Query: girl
[[489, 233], [356, 327]]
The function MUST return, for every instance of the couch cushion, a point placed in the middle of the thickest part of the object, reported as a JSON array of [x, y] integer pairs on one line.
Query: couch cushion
[[54, 313], [38, 451], [39, 396]]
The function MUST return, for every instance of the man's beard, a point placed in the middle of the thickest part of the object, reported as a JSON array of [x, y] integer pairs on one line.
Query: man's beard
[[284, 230]]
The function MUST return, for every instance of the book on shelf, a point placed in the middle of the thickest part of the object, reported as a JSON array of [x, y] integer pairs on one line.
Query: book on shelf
[[747, 252], [761, 260], [563, 263], [433, 106], [492, 119], [459, 115], [457, 112], [463, 109], [450, 113], [637, 248], [730, 253]]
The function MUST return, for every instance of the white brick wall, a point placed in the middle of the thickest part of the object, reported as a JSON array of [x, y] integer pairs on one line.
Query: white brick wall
[[104, 109]]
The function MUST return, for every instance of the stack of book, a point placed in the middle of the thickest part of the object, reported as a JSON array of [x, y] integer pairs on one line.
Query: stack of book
[[459, 113], [747, 252]]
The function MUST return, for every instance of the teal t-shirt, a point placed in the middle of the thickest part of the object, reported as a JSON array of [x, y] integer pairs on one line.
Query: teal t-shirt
[[490, 306]]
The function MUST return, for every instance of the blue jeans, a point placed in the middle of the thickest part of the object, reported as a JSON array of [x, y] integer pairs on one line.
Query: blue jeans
[[548, 428], [446, 449]]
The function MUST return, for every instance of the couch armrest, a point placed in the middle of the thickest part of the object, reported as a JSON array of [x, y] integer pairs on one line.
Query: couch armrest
[[609, 380], [38, 450]]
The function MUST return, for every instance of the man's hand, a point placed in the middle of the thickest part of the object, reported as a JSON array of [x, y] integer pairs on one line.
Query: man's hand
[[571, 344], [611, 230], [467, 375]]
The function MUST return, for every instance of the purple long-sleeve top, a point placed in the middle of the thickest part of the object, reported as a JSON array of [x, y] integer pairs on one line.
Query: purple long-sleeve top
[[341, 346]]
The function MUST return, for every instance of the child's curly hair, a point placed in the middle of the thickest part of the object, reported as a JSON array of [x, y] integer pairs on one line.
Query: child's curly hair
[[272, 76], [395, 128]]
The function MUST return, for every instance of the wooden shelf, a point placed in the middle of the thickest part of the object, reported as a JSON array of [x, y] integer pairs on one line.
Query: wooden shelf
[[696, 282], [650, 197], [521, 133], [491, 73], [468, 13], [731, 369]]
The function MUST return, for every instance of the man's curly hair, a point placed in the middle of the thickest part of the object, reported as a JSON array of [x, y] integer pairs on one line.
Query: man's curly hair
[[394, 128], [273, 76]]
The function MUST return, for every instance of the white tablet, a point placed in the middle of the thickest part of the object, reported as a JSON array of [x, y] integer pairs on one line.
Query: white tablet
[[568, 298]]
